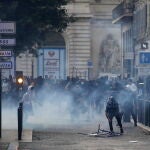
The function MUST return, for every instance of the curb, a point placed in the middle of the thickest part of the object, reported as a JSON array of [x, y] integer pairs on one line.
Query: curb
[[143, 127]]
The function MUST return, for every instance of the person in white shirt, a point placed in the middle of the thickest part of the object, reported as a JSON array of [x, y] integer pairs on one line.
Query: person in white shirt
[[27, 99]]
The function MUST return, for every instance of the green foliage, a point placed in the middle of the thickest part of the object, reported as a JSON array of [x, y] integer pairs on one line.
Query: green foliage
[[33, 19]]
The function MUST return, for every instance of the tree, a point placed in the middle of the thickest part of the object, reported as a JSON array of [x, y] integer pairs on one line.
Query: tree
[[33, 19]]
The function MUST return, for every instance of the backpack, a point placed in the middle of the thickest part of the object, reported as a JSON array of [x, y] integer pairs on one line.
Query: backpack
[[112, 106]]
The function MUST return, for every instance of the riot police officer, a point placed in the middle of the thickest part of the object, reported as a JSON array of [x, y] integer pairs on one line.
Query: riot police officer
[[112, 110]]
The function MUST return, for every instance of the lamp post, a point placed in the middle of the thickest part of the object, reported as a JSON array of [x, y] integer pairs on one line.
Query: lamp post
[[89, 65], [32, 67], [26, 61], [29, 58], [0, 105]]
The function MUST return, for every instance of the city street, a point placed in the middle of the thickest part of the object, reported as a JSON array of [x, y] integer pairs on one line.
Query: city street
[[76, 138], [68, 68]]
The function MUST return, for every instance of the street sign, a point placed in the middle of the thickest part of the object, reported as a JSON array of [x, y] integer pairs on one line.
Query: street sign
[[7, 27], [7, 42], [90, 63], [144, 57], [6, 65], [5, 53]]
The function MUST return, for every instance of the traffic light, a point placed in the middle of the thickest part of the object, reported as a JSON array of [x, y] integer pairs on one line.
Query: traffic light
[[19, 78]]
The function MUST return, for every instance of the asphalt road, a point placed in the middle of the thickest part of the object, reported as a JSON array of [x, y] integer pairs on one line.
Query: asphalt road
[[75, 137]]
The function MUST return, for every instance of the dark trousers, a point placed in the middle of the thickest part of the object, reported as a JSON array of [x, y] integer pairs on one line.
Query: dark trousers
[[128, 113], [110, 118]]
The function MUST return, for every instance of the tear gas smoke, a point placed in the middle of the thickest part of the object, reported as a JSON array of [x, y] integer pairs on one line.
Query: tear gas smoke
[[9, 114], [50, 109], [60, 107], [9, 119]]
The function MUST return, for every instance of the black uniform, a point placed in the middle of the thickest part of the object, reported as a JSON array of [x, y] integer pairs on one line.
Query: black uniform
[[112, 110], [130, 107]]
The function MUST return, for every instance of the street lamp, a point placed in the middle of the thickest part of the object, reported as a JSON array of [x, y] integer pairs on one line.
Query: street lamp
[[89, 65], [20, 81], [32, 66]]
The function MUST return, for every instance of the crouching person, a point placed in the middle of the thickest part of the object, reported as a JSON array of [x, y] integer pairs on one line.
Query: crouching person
[[112, 110]]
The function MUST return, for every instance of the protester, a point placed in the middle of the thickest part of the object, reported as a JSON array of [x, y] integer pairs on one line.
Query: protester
[[27, 99], [130, 105], [112, 110]]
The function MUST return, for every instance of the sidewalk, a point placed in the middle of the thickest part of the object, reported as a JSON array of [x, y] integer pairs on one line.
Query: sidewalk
[[67, 139], [9, 139], [77, 138]]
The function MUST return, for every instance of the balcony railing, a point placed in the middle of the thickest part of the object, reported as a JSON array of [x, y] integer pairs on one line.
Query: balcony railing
[[122, 12]]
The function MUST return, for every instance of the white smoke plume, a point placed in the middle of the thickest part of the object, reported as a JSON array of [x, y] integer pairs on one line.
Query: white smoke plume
[[56, 107]]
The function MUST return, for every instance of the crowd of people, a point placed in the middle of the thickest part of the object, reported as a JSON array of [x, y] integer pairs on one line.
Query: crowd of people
[[87, 96]]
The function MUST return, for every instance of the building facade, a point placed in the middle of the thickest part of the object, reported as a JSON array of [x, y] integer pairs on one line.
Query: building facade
[[93, 38], [92, 43], [134, 18], [142, 37], [123, 15]]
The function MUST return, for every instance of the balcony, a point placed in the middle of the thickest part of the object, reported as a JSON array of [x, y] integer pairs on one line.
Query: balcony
[[123, 12]]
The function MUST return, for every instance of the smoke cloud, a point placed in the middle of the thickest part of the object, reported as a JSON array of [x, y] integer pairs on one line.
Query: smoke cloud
[[50, 109], [60, 107]]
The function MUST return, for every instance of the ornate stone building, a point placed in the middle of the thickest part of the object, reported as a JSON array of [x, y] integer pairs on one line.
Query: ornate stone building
[[93, 38], [91, 45]]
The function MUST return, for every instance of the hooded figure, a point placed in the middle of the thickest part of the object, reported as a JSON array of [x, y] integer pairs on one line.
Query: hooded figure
[[112, 110]]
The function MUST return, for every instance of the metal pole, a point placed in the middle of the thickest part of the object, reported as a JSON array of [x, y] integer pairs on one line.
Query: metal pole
[[122, 54], [88, 73], [32, 67], [0, 99], [0, 105], [20, 120]]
